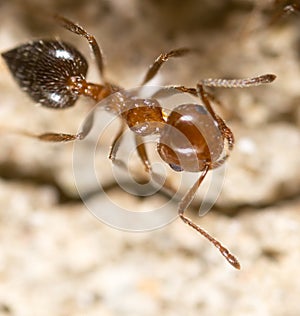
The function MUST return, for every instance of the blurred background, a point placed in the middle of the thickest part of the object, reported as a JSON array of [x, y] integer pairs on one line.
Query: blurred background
[[56, 258]]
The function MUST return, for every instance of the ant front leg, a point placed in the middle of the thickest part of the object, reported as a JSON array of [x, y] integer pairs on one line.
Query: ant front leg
[[185, 202], [164, 183]]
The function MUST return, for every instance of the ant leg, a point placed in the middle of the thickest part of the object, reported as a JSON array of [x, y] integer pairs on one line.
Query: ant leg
[[157, 178], [59, 137], [195, 92], [77, 29], [219, 162], [205, 96], [169, 91], [162, 58], [142, 152], [228, 83], [185, 202], [224, 83], [47, 137], [141, 149], [115, 147], [224, 129]]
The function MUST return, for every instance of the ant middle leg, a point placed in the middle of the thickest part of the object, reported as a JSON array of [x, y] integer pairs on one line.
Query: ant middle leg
[[142, 152], [77, 29], [140, 146]]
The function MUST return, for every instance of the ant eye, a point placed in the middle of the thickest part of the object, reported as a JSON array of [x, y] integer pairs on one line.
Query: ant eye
[[176, 167], [43, 69]]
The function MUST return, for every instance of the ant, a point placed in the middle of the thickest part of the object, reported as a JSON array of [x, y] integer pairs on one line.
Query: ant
[[53, 74]]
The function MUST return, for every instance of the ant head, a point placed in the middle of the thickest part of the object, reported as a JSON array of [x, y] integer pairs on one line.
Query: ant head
[[44, 68], [190, 139]]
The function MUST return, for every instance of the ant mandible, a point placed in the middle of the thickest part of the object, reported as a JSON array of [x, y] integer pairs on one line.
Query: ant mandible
[[53, 73]]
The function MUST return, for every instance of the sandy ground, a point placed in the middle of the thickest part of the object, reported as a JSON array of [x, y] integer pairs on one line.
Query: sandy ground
[[56, 258]]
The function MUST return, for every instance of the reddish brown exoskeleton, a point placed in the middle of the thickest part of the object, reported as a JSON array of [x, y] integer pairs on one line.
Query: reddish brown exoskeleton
[[53, 73]]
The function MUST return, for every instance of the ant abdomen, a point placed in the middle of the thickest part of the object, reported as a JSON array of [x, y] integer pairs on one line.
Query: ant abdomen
[[43, 69], [191, 139]]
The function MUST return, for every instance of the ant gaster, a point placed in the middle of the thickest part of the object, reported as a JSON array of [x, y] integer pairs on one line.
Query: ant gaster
[[53, 73]]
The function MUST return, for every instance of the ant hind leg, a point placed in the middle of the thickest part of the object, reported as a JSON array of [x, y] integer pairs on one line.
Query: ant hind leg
[[161, 59], [58, 137], [77, 29]]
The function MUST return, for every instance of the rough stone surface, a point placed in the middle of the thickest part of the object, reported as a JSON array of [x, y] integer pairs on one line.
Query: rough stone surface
[[248, 111], [57, 259]]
